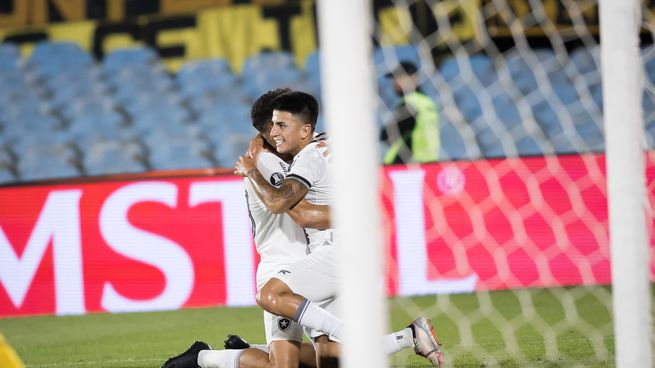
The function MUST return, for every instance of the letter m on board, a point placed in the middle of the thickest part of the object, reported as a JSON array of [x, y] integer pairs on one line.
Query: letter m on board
[[58, 224]]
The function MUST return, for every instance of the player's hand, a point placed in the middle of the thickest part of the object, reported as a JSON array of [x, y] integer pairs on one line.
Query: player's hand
[[256, 146], [244, 166]]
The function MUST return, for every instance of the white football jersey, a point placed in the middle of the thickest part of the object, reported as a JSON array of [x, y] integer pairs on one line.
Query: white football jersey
[[310, 167], [278, 239]]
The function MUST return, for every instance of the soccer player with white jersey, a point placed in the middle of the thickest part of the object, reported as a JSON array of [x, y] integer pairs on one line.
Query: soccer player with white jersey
[[279, 242], [296, 291]]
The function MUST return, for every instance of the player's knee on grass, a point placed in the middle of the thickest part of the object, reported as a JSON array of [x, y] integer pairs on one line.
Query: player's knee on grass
[[272, 295], [327, 352]]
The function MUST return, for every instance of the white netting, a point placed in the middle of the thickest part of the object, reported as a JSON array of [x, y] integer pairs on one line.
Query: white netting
[[518, 199]]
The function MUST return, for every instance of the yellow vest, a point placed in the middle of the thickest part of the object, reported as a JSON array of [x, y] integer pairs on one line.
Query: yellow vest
[[425, 136], [8, 357]]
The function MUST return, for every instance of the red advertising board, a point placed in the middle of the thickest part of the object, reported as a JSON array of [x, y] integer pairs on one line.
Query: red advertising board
[[152, 244]]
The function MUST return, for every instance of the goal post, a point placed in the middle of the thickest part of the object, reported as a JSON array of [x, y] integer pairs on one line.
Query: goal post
[[529, 238], [348, 97], [623, 83]]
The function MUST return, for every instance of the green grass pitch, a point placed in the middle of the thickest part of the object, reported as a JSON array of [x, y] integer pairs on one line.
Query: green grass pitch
[[147, 339]]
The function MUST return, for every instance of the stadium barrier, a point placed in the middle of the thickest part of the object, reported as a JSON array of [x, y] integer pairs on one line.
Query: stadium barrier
[[173, 240]]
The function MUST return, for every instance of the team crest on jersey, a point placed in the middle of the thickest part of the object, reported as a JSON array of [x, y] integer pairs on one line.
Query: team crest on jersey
[[276, 179], [283, 324]]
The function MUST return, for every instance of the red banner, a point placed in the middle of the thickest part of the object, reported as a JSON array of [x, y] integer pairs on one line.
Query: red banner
[[155, 244]]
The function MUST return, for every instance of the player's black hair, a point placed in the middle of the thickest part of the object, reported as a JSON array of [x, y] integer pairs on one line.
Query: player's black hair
[[298, 103], [262, 110]]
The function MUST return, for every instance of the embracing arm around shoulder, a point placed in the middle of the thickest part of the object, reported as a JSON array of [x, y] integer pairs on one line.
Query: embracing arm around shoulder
[[278, 200]]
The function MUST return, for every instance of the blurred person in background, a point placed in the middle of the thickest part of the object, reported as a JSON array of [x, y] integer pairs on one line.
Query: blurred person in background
[[8, 356], [413, 132]]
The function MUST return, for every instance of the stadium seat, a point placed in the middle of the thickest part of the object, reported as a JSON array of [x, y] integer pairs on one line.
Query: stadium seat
[[484, 69], [10, 60], [387, 58], [313, 62], [564, 88], [119, 59], [591, 131], [196, 71], [48, 58], [47, 162], [506, 110], [547, 119], [452, 143], [181, 152], [110, 157], [229, 148], [585, 60], [490, 144], [468, 103], [528, 146], [6, 175], [86, 129], [449, 69], [267, 62], [257, 84]]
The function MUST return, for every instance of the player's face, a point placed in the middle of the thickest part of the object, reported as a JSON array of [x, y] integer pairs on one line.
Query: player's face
[[404, 83], [288, 132], [266, 134]]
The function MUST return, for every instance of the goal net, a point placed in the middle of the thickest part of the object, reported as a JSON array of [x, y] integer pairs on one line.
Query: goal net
[[507, 235]]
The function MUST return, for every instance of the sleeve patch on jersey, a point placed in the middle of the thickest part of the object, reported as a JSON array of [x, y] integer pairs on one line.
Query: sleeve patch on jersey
[[276, 179], [300, 179]]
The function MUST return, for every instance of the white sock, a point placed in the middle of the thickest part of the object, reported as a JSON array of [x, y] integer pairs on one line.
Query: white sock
[[397, 341], [312, 316], [219, 358]]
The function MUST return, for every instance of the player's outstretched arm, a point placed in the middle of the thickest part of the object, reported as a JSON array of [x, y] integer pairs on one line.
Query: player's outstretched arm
[[311, 216], [278, 200]]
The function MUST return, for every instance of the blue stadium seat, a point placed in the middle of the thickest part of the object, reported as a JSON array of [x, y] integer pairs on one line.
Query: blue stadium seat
[[6, 175], [164, 106], [449, 69], [564, 88], [197, 71], [179, 152], [119, 59], [650, 135], [47, 162], [50, 58], [547, 118], [229, 148], [313, 62], [452, 143], [137, 80], [528, 146], [210, 101], [490, 144], [109, 157], [257, 84], [31, 125], [387, 58], [468, 103], [88, 107], [585, 59], [87, 128], [484, 69], [590, 130], [10, 60], [206, 77], [564, 145], [506, 111], [267, 61]]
